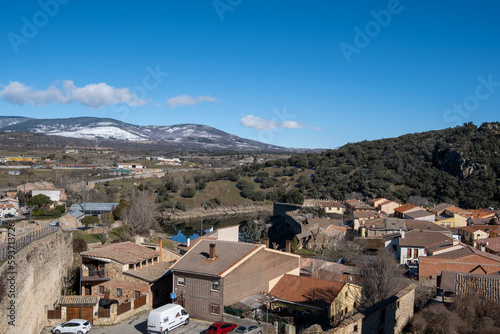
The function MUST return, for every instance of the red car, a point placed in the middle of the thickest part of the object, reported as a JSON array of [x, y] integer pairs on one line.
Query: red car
[[220, 327]]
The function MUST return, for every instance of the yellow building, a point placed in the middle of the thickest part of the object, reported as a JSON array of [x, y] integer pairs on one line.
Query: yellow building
[[20, 158], [454, 220]]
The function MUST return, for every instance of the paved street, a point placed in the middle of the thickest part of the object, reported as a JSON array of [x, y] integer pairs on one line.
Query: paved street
[[138, 324]]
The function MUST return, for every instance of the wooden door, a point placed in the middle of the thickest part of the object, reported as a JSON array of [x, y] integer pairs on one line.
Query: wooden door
[[87, 314], [72, 313]]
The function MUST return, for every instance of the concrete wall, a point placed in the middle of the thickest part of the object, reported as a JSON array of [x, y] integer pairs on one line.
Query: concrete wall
[[39, 271]]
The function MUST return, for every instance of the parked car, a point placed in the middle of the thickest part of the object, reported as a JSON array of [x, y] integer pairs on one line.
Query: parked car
[[220, 327], [250, 330], [74, 326]]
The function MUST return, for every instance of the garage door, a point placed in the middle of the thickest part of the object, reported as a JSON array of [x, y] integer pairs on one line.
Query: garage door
[[79, 313]]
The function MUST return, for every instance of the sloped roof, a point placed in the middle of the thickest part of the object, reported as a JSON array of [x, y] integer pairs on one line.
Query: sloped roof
[[440, 208], [364, 215], [335, 230], [76, 214], [466, 251], [334, 204], [123, 252], [484, 228], [425, 225], [405, 207], [150, 273], [299, 289], [422, 239], [79, 300], [419, 214], [227, 254], [491, 243]]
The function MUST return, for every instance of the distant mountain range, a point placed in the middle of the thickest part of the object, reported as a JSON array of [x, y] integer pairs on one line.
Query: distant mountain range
[[189, 136]]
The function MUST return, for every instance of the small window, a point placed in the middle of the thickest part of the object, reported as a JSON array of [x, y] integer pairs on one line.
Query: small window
[[101, 289], [415, 253], [118, 292], [137, 265], [156, 259], [144, 263], [131, 266], [137, 294], [181, 281], [215, 286], [214, 309], [355, 329], [397, 304], [346, 294], [150, 261], [346, 311]]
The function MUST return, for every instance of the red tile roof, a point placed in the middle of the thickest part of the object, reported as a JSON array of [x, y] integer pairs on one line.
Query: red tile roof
[[299, 289], [423, 239], [405, 207], [492, 244]]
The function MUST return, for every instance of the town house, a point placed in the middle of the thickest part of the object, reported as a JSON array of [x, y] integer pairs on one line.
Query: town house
[[217, 273], [125, 271]]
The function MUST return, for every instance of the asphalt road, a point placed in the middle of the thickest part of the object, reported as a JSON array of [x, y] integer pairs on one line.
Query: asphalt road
[[138, 324]]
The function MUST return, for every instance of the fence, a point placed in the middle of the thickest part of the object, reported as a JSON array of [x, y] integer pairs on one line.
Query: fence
[[123, 308], [104, 313], [13, 247], [139, 302], [54, 314]]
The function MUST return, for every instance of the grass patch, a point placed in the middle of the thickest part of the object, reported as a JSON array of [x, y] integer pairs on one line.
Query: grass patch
[[116, 234], [88, 237]]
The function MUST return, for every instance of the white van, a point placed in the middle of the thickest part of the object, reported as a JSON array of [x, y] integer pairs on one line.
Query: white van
[[166, 318]]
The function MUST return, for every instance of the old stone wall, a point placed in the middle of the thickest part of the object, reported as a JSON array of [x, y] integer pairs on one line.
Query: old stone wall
[[33, 279], [175, 215]]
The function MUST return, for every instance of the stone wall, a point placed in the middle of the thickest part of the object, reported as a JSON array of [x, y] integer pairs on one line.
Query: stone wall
[[174, 215], [36, 283]]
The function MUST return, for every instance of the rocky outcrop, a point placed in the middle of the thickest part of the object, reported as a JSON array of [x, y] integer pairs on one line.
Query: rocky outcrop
[[174, 215]]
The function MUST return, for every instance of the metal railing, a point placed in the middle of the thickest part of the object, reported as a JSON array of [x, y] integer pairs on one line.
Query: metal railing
[[12, 247]]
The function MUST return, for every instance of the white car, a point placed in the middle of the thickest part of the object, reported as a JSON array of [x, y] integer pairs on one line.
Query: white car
[[250, 329], [74, 326]]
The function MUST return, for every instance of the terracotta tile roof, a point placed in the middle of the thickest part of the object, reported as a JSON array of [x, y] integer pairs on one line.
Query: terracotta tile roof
[[299, 289], [422, 239], [458, 210], [364, 215], [484, 228], [425, 225], [150, 273], [334, 204], [465, 251], [6, 205], [227, 254], [335, 230], [124, 252], [439, 209], [376, 199], [482, 213], [405, 207], [79, 300], [492, 244]]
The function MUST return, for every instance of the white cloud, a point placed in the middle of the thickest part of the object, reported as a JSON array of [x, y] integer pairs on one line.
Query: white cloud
[[258, 123], [183, 100], [317, 128], [291, 125], [92, 95]]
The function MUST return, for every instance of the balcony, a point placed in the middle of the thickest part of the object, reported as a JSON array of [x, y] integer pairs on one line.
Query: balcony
[[94, 275]]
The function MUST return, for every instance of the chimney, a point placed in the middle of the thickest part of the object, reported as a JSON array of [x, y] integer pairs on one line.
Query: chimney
[[402, 234], [266, 242], [161, 249], [188, 242], [288, 247], [212, 252]]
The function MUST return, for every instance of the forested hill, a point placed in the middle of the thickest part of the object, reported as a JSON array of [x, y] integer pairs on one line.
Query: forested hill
[[460, 164]]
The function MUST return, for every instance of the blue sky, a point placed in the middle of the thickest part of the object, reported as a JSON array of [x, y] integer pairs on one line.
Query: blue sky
[[311, 74]]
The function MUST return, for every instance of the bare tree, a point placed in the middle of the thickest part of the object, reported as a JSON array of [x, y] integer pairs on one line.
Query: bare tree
[[380, 278], [142, 215], [68, 282]]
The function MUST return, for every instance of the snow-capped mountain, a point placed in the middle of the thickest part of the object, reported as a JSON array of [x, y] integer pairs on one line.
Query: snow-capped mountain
[[185, 135]]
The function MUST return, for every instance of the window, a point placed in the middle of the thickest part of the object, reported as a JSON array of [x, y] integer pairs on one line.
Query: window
[[118, 292], [67, 222], [150, 261], [397, 304], [448, 224], [137, 294], [415, 253], [101, 289], [181, 281], [346, 311], [215, 286], [355, 329], [346, 294], [138, 265], [408, 252], [155, 259], [144, 263], [214, 309], [131, 266]]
